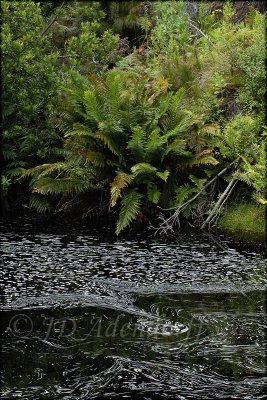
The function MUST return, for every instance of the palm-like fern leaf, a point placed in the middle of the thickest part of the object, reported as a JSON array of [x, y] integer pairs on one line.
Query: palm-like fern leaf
[[94, 106], [121, 181], [80, 130], [111, 145], [200, 159], [143, 168], [131, 203], [47, 185], [40, 203], [163, 175], [47, 169], [178, 146], [153, 193], [137, 143]]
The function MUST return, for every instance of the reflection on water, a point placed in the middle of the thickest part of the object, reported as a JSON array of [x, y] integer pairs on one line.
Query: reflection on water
[[86, 317]]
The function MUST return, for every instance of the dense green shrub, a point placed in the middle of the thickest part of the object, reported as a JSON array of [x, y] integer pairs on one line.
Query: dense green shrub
[[119, 139], [30, 84]]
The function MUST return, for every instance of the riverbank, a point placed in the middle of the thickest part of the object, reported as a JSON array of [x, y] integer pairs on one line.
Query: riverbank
[[242, 224]]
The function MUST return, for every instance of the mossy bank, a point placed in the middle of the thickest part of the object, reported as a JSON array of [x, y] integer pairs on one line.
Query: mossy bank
[[245, 222]]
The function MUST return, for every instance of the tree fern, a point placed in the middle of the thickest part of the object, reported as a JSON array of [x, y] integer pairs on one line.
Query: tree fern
[[131, 204]]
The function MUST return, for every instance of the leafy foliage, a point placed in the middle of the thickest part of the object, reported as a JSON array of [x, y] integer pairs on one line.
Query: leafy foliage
[[130, 207], [30, 85], [138, 104], [120, 140]]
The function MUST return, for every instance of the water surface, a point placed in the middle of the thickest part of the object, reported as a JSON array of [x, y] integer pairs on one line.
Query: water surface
[[87, 316]]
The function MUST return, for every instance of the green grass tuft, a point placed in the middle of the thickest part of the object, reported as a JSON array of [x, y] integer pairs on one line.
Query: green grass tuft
[[245, 222]]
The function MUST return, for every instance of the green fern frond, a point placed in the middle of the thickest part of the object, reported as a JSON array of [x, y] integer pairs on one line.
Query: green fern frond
[[113, 84], [212, 129], [65, 122], [162, 108], [243, 177], [178, 146], [182, 194], [46, 169], [15, 172], [203, 159], [197, 181], [121, 181], [137, 142], [154, 141], [199, 159], [178, 129], [47, 185], [94, 107], [80, 130], [153, 193], [94, 157], [40, 203], [176, 100], [143, 168], [131, 204], [163, 175], [8, 152], [104, 137]]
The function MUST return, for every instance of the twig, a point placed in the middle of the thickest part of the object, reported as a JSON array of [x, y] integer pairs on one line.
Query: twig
[[168, 223], [53, 20], [220, 202], [202, 33], [205, 186]]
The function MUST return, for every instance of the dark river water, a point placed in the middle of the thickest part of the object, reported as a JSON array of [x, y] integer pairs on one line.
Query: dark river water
[[87, 316]]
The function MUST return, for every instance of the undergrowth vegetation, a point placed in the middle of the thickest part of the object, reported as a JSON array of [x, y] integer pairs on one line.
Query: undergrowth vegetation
[[244, 221], [145, 111]]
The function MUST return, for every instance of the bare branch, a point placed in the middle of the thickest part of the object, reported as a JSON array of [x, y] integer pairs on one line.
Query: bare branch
[[168, 224], [202, 33], [220, 202], [52, 21]]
